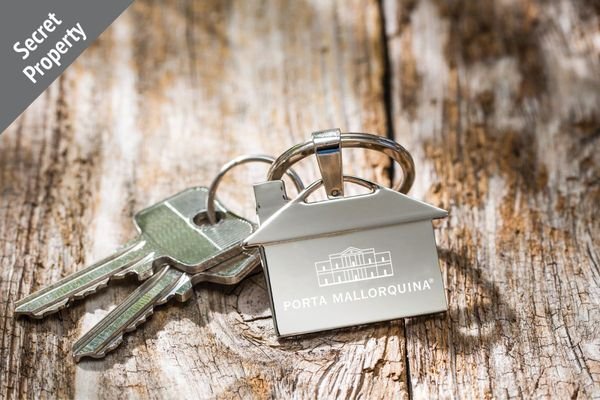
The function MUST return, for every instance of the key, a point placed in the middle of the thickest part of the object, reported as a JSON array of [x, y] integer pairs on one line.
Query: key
[[167, 283], [167, 234]]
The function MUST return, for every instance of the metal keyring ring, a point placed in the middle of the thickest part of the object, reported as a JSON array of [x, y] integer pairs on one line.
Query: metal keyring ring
[[212, 189], [353, 140]]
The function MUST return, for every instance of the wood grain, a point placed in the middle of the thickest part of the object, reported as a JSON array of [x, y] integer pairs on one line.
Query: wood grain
[[498, 103], [169, 93]]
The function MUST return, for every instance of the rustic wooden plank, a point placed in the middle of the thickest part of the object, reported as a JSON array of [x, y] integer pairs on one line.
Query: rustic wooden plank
[[499, 103], [170, 92]]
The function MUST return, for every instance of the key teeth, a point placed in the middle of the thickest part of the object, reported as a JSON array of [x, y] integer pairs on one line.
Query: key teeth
[[90, 290], [141, 272], [54, 308], [39, 314], [124, 274], [143, 275], [181, 290], [143, 318], [113, 345], [119, 339], [57, 307], [97, 355], [78, 355], [139, 321]]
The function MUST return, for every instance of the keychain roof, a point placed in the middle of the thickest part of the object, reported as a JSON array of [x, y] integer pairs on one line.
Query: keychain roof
[[301, 220]]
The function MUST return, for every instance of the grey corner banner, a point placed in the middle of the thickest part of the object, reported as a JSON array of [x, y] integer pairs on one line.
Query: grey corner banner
[[39, 39]]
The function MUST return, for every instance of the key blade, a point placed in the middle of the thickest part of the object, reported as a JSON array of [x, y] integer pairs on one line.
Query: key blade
[[139, 305], [232, 271], [135, 258], [167, 283]]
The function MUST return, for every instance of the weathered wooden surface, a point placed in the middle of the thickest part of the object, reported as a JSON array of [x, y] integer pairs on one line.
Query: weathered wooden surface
[[497, 101]]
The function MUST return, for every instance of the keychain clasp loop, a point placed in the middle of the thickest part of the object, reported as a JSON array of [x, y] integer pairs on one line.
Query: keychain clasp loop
[[328, 146], [310, 189], [353, 140]]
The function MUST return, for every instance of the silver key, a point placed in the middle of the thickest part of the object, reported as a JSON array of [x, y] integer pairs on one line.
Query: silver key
[[126, 317], [168, 282], [168, 234]]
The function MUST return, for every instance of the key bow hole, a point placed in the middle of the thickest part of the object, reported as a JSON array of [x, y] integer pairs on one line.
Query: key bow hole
[[202, 218]]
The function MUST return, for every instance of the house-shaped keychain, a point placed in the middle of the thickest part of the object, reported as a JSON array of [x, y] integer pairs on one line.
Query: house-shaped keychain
[[347, 260]]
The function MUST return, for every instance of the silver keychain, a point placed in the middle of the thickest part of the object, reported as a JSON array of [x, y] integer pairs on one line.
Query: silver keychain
[[177, 248], [346, 261]]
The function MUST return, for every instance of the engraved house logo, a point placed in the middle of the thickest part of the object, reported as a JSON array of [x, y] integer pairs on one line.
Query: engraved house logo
[[352, 265]]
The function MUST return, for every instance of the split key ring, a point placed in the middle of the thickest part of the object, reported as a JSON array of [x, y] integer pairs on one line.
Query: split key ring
[[326, 145], [212, 190]]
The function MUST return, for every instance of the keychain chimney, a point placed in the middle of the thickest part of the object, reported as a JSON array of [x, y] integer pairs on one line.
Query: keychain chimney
[[270, 196]]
